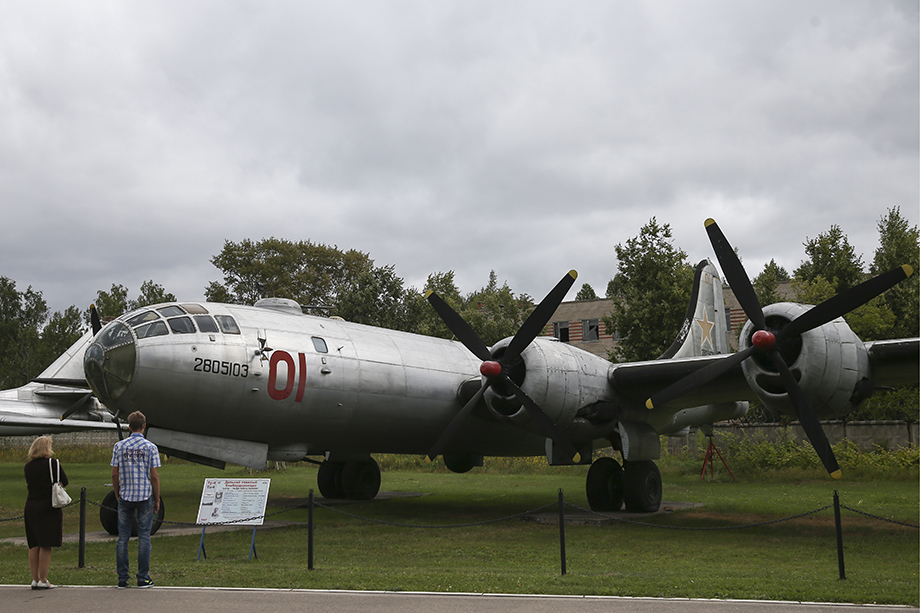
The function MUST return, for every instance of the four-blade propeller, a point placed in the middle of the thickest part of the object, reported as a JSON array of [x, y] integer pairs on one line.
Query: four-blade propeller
[[766, 342], [495, 370]]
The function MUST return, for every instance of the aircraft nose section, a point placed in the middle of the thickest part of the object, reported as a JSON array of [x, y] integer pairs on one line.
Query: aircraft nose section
[[109, 362]]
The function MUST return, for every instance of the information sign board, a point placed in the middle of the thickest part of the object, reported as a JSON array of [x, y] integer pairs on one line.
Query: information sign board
[[238, 501]]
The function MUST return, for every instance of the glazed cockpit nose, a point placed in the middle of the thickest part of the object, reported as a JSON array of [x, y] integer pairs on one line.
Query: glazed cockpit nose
[[109, 362]]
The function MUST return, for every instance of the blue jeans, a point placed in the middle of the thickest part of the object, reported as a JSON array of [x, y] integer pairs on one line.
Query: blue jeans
[[126, 512]]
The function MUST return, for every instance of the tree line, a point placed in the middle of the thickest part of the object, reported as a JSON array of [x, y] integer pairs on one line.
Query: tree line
[[649, 290]]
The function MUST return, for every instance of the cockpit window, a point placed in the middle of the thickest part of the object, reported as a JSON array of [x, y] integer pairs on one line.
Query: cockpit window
[[195, 309], [115, 335], [182, 325], [320, 345], [171, 311], [227, 324], [157, 328], [142, 317], [205, 323]]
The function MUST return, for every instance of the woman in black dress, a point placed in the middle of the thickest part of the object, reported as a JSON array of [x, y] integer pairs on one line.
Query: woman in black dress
[[44, 523]]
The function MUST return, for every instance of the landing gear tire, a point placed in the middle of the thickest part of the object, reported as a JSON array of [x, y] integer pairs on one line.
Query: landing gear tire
[[604, 485], [643, 487], [460, 463], [108, 516], [361, 480], [329, 480]]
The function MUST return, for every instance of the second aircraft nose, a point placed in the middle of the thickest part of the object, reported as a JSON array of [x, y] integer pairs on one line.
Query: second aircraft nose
[[109, 362]]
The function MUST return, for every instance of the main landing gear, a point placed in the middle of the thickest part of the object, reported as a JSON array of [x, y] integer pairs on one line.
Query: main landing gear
[[353, 480], [637, 484]]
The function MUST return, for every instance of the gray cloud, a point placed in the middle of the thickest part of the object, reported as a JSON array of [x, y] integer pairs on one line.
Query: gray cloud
[[528, 138]]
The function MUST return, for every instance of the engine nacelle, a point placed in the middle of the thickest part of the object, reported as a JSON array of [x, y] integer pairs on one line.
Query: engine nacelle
[[559, 378], [830, 363]]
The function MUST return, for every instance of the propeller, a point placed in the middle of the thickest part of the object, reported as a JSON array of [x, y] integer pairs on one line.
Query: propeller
[[94, 319], [765, 342], [496, 371], [76, 406]]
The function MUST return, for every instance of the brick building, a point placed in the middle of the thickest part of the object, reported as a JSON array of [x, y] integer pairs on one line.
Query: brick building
[[581, 323]]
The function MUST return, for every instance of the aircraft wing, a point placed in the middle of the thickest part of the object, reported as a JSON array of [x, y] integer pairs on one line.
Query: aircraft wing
[[24, 424], [894, 362], [639, 380]]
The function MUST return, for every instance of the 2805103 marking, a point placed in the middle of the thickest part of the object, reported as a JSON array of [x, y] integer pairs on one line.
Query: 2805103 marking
[[220, 367]]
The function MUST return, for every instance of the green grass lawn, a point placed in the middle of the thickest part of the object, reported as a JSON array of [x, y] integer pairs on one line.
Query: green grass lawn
[[794, 560]]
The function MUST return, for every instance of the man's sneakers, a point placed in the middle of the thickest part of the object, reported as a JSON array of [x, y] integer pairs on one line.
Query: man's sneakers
[[141, 583]]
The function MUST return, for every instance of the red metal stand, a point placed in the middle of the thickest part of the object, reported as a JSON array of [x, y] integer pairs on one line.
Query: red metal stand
[[708, 459]]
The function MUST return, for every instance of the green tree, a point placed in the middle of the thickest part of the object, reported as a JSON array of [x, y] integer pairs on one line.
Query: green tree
[[375, 297], [310, 273], [651, 290], [871, 321], [495, 312], [768, 281], [111, 303], [421, 316], [831, 256], [899, 244], [151, 293], [586, 293], [28, 344]]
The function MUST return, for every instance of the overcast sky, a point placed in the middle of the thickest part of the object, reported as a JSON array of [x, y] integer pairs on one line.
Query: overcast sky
[[528, 138]]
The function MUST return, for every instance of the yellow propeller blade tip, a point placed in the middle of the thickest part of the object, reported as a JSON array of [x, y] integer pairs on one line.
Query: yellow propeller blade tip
[[908, 270], [836, 474], [428, 293], [577, 458], [573, 273], [649, 405], [709, 222]]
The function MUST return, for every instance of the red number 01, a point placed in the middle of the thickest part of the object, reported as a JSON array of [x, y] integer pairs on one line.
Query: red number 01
[[281, 394]]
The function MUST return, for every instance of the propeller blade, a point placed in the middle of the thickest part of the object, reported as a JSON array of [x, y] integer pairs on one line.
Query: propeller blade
[[538, 318], [456, 422], [699, 378], [735, 275], [843, 303], [76, 406], [545, 423], [121, 435], [94, 319], [456, 324], [807, 417]]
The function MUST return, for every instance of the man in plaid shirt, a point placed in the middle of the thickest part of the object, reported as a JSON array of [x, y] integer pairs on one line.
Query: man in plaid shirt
[[137, 488]]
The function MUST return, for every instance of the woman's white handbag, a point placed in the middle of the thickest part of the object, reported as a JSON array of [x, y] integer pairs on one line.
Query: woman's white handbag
[[59, 496]]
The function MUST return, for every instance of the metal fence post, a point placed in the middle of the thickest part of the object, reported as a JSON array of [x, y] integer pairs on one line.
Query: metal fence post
[[82, 557], [310, 533], [562, 530], [840, 567]]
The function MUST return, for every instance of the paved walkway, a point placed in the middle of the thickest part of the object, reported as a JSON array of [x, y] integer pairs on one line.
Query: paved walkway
[[76, 599]]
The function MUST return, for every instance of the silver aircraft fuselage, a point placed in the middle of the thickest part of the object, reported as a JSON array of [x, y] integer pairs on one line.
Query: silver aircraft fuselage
[[309, 385]]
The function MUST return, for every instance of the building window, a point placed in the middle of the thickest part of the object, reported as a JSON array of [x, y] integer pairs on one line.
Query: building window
[[561, 331], [590, 330]]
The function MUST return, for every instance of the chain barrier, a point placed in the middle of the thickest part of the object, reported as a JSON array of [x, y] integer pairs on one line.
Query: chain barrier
[[703, 528], [878, 517], [506, 518], [468, 525]]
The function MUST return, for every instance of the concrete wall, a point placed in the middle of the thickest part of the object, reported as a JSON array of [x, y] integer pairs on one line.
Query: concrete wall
[[866, 434]]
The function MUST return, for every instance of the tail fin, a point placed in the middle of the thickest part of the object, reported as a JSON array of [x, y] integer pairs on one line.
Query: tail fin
[[68, 368], [705, 331]]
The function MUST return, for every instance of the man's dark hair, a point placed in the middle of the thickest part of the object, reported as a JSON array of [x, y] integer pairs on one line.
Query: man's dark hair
[[137, 421]]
